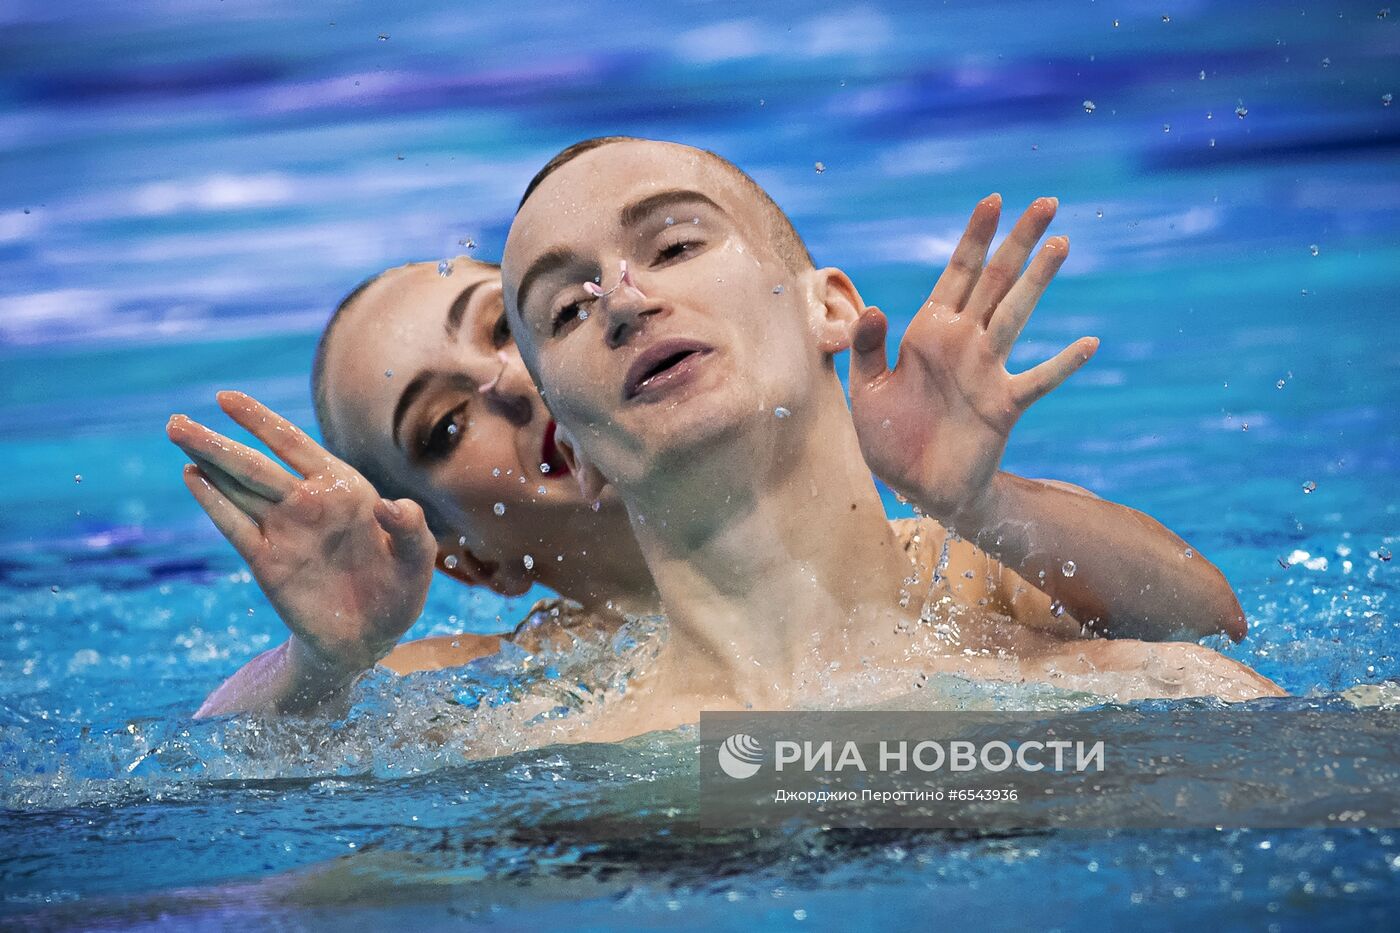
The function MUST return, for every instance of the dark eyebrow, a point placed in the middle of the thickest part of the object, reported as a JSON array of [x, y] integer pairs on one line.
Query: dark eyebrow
[[638, 211], [414, 389], [458, 308], [548, 264]]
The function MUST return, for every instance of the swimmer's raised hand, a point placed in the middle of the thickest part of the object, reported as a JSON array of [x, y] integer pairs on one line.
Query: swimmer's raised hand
[[935, 427], [347, 570]]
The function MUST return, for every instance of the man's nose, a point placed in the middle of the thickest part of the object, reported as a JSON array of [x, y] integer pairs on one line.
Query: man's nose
[[627, 310]]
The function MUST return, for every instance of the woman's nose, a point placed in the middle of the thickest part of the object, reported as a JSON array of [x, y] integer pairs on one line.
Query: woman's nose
[[511, 394]]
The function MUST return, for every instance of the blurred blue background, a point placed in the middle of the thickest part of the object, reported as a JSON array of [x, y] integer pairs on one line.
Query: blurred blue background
[[189, 187]]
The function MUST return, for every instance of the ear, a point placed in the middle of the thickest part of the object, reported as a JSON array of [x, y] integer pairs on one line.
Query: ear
[[837, 306], [591, 483]]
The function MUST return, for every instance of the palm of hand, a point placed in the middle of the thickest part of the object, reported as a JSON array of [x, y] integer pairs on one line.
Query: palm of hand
[[935, 428], [347, 571], [329, 567]]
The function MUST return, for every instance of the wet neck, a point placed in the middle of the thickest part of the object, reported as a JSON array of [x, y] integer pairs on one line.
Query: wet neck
[[786, 564]]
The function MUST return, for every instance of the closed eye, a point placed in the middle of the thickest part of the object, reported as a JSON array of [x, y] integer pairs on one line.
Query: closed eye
[[674, 251], [567, 314]]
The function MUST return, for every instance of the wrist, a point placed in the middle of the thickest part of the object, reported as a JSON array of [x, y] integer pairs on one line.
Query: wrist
[[319, 665], [979, 513]]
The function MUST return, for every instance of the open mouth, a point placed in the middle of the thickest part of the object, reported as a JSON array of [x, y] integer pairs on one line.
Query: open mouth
[[552, 462], [665, 363]]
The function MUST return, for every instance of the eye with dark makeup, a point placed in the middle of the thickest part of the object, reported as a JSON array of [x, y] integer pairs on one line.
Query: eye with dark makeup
[[677, 249], [444, 435], [568, 313]]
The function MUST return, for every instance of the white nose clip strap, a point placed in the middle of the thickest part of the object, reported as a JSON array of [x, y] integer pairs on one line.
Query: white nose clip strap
[[624, 281], [488, 386]]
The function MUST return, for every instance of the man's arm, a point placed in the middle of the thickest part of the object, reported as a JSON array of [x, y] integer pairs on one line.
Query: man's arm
[[936, 426], [1113, 568]]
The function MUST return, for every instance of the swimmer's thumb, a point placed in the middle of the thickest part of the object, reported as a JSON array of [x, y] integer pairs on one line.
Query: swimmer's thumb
[[868, 360], [409, 537]]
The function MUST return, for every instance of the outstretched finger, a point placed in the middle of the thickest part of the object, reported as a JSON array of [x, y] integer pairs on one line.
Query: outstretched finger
[[1005, 265], [241, 531], [1035, 383], [868, 359], [285, 439], [247, 501], [253, 469], [965, 265], [1009, 318]]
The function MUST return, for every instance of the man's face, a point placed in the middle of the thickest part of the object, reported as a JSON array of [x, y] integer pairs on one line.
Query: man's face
[[712, 336]]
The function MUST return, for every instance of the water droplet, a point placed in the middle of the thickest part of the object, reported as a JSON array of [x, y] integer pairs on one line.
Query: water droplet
[[1279, 385], [799, 913], [444, 268], [1068, 568], [1166, 127], [544, 467], [388, 374], [1383, 553], [1202, 76], [499, 508], [1166, 18], [781, 412], [582, 314], [529, 562], [383, 37], [1057, 608], [1386, 99], [670, 221], [1383, 13], [777, 289], [496, 471], [250, 610], [1308, 487], [1241, 111], [461, 540], [1212, 142], [77, 477], [452, 429], [1313, 249], [1099, 214], [1244, 426], [1327, 63], [1089, 105], [540, 489], [1190, 553], [1115, 24], [450, 561], [468, 243], [54, 588], [820, 167], [596, 506], [1210, 114]]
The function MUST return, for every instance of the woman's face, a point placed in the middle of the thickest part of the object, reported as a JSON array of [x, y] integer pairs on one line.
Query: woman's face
[[424, 385]]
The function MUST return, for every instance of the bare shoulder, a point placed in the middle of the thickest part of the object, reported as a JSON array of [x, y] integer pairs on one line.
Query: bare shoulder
[[1178, 669], [439, 652]]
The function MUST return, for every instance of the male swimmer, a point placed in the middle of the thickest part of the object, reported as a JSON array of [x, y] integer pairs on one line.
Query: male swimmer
[[681, 335], [460, 428]]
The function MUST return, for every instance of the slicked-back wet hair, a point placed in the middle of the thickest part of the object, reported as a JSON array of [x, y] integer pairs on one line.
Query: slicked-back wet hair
[[790, 246]]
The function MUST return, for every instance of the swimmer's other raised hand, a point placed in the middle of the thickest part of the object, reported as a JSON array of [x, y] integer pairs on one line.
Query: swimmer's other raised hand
[[935, 427], [347, 570]]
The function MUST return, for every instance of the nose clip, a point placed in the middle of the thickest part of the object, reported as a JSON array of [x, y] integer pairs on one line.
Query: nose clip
[[624, 281], [486, 387]]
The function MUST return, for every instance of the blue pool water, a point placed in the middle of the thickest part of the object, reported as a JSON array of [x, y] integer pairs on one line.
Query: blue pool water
[[190, 187]]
